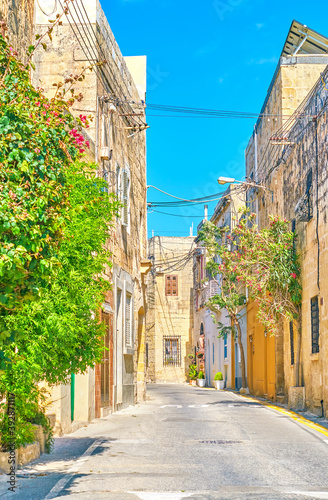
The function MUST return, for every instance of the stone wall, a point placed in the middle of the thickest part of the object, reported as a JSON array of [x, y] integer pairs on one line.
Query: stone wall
[[284, 166], [19, 18]]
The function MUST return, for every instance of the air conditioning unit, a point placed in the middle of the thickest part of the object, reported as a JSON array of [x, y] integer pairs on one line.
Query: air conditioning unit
[[106, 153]]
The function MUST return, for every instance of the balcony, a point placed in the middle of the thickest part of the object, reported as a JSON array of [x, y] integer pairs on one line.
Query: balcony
[[210, 289]]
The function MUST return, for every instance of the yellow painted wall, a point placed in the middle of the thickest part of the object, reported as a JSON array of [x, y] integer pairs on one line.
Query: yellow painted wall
[[261, 364]]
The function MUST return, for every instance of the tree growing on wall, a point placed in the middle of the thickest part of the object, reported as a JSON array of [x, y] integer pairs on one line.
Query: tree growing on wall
[[264, 261], [55, 219]]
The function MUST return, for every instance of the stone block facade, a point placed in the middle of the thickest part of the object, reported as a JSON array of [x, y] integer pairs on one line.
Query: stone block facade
[[18, 17], [287, 155], [170, 315], [118, 145]]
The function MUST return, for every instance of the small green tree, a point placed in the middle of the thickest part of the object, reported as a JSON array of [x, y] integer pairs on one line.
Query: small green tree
[[222, 266]]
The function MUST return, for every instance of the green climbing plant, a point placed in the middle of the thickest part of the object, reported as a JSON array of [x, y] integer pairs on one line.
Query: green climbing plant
[[55, 221]]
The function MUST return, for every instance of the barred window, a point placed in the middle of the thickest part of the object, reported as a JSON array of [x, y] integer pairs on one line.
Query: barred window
[[128, 323], [171, 351], [171, 285], [315, 324], [125, 197]]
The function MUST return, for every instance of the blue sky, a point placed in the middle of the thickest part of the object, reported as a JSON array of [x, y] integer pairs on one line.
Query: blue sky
[[217, 54]]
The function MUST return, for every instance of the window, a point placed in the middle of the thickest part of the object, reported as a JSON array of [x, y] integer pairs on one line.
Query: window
[[128, 323], [125, 197], [105, 365], [213, 353], [171, 351], [225, 347], [291, 334], [104, 131], [171, 285], [118, 181], [315, 324]]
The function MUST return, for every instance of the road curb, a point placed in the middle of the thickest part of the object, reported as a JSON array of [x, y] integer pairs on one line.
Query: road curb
[[292, 414]]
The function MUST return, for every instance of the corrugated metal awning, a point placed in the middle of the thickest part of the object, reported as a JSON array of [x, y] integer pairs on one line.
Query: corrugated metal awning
[[303, 40]]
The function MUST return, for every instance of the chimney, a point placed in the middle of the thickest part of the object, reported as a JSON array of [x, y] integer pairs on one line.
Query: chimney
[[205, 212]]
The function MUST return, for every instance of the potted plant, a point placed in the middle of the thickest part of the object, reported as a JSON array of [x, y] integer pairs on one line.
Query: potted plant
[[193, 374], [218, 381], [201, 379]]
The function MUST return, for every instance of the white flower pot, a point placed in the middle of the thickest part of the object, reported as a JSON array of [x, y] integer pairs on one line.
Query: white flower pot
[[201, 382], [219, 384]]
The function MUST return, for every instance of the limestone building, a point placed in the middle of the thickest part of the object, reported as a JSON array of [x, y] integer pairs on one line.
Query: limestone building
[[287, 155], [118, 145], [170, 314]]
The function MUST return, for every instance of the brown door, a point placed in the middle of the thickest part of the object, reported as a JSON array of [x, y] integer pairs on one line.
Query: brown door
[[107, 363]]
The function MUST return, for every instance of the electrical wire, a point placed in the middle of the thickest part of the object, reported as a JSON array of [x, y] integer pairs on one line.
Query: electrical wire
[[90, 52], [177, 215], [51, 13], [207, 111]]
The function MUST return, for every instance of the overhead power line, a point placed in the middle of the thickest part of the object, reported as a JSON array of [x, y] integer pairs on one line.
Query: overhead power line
[[208, 112], [177, 215]]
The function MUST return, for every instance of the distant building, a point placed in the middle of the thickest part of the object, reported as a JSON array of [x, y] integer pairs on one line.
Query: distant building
[[170, 311]]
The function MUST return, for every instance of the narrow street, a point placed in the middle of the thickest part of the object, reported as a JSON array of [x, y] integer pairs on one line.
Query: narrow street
[[184, 442]]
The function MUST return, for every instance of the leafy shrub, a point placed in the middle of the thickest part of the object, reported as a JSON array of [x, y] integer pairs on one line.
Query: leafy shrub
[[218, 376], [201, 375], [193, 372]]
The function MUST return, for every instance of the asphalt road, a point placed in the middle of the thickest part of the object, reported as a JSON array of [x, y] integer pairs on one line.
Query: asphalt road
[[185, 442]]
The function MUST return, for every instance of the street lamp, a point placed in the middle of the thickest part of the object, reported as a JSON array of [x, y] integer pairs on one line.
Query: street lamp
[[230, 180]]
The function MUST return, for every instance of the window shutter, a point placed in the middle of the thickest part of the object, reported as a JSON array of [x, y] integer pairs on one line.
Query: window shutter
[[168, 285], [171, 285], [315, 324], [174, 285], [128, 320], [125, 198]]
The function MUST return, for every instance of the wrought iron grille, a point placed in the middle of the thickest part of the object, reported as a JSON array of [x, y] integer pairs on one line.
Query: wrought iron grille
[[315, 324], [172, 351]]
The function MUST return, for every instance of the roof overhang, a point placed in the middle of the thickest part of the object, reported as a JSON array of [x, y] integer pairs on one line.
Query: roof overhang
[[303, 40]]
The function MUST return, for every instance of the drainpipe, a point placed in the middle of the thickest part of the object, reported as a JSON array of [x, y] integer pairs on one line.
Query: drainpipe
[[255, 170], [72, 395], [97, 130]]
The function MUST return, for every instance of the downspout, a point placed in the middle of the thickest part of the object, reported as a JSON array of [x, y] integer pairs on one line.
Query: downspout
[[97, 130], [317, 200]]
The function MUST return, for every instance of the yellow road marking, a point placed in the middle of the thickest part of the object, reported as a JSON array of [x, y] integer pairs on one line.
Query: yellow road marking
[[293, 415]]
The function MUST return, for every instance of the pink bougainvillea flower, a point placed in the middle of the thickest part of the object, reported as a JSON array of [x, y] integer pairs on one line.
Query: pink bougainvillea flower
[[293, 275]]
